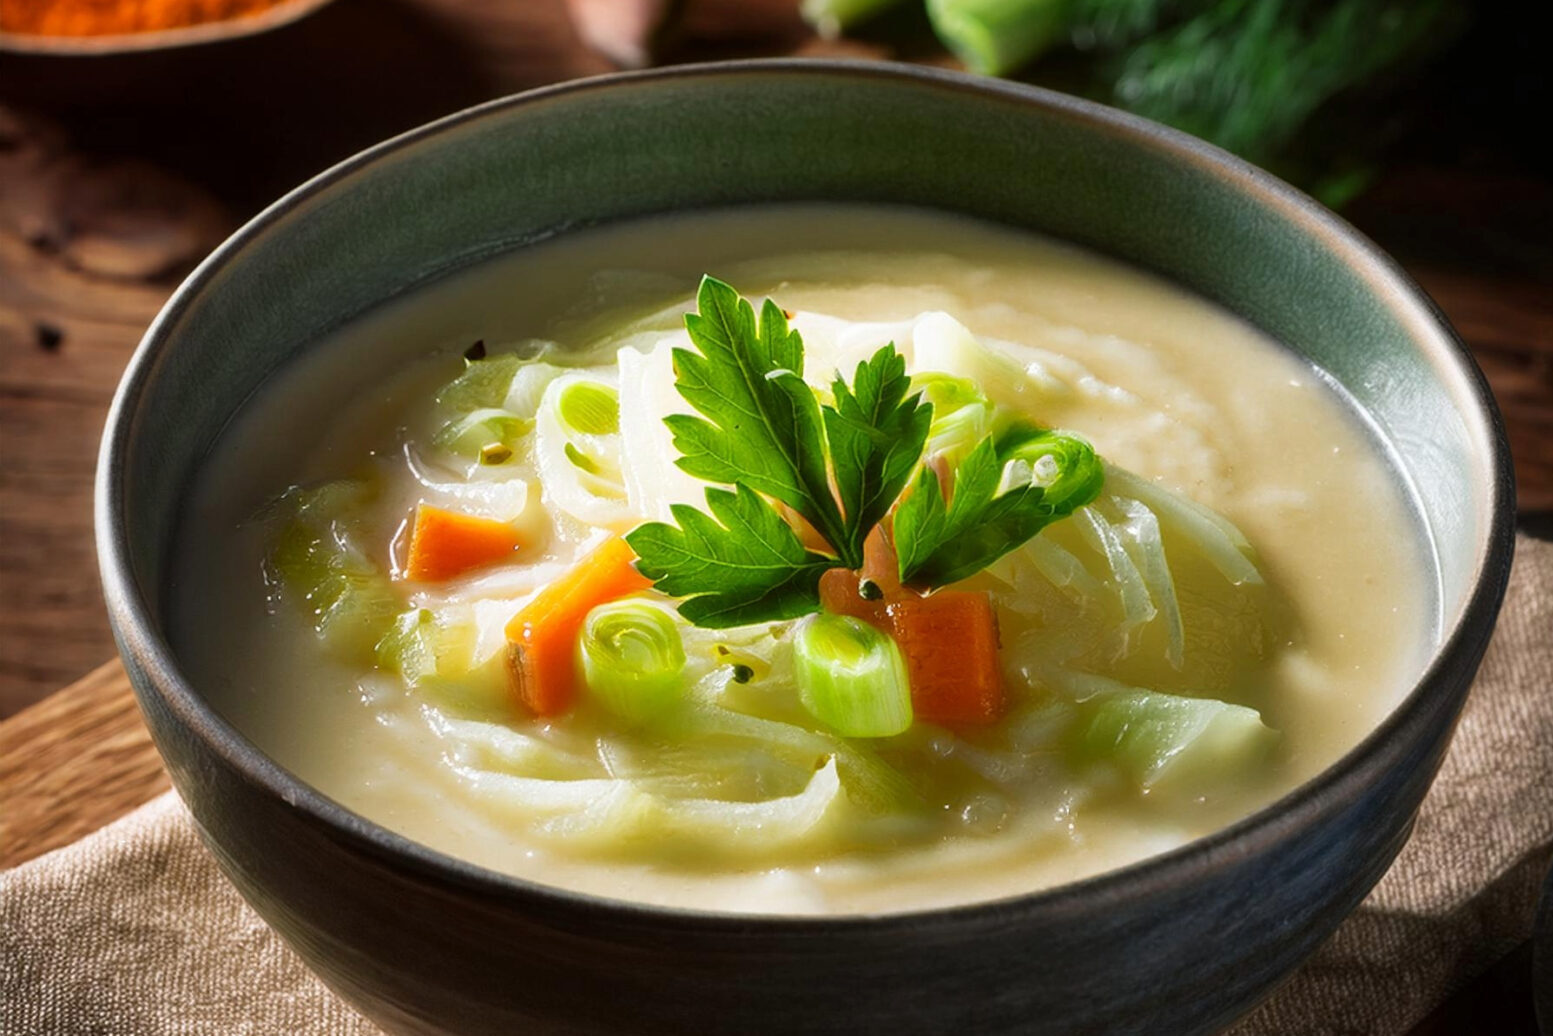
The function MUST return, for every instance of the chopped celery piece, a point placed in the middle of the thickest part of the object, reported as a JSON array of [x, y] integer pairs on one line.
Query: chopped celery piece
[[994, 37], [407, 649], [851, 677], [831, 18], [633, 660], [962, 415], [484, 383], [943, 345], [469, 435], [590, 408], [436, 655], [315, 562], [1166, 742]]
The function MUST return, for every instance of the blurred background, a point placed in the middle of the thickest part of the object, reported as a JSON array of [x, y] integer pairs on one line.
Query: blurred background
[[134, 136]]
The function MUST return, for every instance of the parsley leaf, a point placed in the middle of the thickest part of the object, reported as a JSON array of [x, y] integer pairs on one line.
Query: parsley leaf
[[876, 436], [761, 426], [941, 542], [746, 566], [841, 466]]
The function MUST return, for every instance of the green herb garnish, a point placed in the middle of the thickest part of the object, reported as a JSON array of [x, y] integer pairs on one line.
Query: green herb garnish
[[841, 466], [943, 542], [750, 568], [762, 426]]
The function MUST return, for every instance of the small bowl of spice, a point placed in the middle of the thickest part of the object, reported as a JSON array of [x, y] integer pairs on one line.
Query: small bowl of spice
[[96, 27]]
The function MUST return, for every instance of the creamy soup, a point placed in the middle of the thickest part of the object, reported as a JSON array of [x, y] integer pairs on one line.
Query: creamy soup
[[410, 574]]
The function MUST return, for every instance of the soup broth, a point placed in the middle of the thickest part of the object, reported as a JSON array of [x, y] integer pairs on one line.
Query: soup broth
[[1297, 590]]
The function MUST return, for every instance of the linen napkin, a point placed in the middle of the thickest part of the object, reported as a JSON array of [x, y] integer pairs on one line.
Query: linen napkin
[[134, 932]]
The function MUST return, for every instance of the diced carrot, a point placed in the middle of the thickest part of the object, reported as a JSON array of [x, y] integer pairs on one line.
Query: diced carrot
[[446, 544], [542, 638], [950, 641], [839, 586]]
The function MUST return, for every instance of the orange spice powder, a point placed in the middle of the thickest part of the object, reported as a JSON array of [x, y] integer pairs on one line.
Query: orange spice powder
[[114, 17]]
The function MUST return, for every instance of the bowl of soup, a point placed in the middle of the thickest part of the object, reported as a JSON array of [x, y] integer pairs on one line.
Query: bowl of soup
[[787, 546]]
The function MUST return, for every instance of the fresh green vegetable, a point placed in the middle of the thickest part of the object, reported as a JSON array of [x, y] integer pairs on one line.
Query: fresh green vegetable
[[318, 563], [435, 654], [1248, 74], [1170, 742], [742, 564], [876, 435], [830, 18], [997, 36], [590, 408], [962, 415], [762, 427], [1063, 464], [483, 384], [1259, 77], [851, 677], [943, 542], [633, 660], [765, 431], [469, 435]]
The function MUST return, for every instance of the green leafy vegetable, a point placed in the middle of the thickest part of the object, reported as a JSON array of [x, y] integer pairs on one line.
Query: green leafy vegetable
[[762, 426], [876, 436], [942, 541], [1167, 740], [841, 467], [743, 564]]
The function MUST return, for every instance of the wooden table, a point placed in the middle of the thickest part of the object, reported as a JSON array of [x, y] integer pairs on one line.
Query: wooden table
[[117, 174]]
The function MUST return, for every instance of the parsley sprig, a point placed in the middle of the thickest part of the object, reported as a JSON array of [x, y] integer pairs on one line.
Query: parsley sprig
[[842, 466]]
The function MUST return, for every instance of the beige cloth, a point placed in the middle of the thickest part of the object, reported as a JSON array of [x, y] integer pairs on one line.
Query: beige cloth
[[134, 931]]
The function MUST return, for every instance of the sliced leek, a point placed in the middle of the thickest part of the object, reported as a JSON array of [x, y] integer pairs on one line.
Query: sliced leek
[[633, 660], [851, 677]]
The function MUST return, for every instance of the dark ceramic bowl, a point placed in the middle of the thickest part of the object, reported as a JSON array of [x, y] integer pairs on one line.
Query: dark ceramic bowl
[[422, 942]]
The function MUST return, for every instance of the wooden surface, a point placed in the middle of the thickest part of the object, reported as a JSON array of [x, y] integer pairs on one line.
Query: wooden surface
[[72, 763], [116, 175]]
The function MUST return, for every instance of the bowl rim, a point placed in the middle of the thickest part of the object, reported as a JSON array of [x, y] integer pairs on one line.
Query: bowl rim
[[1464, 637]]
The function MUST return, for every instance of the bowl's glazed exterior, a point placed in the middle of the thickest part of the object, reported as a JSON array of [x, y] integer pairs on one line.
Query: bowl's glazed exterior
[[424, 943]]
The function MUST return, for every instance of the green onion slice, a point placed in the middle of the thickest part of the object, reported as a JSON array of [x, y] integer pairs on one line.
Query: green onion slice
[[633, 659], [851, 677], [590, 408]]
